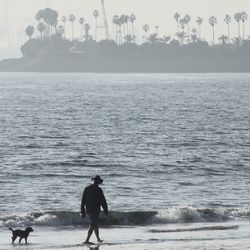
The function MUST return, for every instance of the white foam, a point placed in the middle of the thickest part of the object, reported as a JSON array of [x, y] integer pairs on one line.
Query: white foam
[[172, 215], [191, 214], [47, 220]]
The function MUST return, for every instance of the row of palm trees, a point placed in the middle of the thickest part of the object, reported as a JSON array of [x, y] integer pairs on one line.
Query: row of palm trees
[[183, 28], [83, 26], [48, 25], [124, 27], [47, 21], [182, 23]]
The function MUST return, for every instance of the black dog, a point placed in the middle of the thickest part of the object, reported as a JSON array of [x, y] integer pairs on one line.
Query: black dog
[[21, 234]]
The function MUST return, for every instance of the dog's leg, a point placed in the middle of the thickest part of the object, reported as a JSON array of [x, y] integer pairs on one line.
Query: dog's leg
[[20, 240], [13, 239], [26, 240]]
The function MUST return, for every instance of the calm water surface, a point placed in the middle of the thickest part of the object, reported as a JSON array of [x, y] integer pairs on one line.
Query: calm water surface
[[158, 140]]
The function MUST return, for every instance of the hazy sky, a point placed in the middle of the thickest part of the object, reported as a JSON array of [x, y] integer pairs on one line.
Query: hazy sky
[[153, 12]]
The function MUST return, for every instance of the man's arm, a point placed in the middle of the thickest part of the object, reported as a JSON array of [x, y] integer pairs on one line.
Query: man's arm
[[83, 203], [103, 202]]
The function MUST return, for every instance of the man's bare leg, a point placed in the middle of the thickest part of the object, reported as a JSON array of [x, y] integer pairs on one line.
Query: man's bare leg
[[97, 234], [90, 231]]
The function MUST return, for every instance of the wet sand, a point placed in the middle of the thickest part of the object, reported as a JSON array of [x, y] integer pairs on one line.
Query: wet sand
[[181, 236]]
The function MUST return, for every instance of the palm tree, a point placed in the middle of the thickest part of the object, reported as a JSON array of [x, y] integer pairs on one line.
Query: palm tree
[[61, 29], [212, 20], [122, 21], [157, 30], [223, 39], [116, 23], [86, 29], [199, 21], [41, 28], [29, 31], [177, 18], [237, 18], [96, 15], [64, 20], [81, 21], [228, 20], [181, 37], [40, 15], [50, 18], [182, 34], [243, 19], [194, 35], [146, 29], [72, 19], [153, 38], [128, 39], [182, 23], [237, 41], [187, 20], [132, 19], [40, 18], [126, 20]]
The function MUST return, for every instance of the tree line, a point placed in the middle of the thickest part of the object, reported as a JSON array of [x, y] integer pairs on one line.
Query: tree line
[[49, 25]]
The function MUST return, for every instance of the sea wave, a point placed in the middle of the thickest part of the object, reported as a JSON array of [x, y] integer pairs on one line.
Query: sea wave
[[66, 218], [191, 214], [170, 216], [211, 228]]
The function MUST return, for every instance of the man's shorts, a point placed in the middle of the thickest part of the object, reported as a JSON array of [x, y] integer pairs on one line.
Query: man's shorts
[[94, 219]]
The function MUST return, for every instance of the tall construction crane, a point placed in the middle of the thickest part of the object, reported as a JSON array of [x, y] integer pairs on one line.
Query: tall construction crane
[[105, 21], [6, 31]]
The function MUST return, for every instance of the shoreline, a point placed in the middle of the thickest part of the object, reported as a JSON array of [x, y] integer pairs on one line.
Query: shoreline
[[120, 73], [74, 64], [138, 238]]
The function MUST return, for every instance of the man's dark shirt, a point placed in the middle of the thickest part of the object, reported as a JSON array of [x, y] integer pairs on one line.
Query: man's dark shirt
[[93, 198]]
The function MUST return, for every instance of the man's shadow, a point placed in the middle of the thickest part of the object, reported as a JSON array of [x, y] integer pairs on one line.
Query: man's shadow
[[94, 248]]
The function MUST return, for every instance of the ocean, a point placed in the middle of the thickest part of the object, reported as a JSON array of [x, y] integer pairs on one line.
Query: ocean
[[173, 150]]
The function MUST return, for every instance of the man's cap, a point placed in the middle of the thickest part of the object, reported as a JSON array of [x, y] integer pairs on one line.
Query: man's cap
[[98, 179]]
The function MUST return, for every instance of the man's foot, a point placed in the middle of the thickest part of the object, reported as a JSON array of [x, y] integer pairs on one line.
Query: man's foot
[[88, 243], [100, 241]]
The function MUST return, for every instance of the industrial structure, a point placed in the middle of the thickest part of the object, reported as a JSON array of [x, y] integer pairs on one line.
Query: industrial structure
[[105, 21]]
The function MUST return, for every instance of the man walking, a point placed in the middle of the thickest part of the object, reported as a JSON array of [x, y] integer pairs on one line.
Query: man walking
[[93, 199]]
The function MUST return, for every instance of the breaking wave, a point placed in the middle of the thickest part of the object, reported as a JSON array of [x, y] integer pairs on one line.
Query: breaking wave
[[169, 216], [66, 218]]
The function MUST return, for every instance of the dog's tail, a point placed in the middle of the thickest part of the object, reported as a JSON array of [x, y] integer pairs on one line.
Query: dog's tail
[[11, 229]]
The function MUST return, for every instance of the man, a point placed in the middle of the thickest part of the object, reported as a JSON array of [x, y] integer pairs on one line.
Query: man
[[93, 199]]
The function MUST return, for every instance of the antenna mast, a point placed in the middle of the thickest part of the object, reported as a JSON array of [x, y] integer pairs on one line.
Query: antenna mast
[[105, 21]]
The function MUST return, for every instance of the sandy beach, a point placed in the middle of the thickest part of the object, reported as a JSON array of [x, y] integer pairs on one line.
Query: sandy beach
[[181, 236]]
